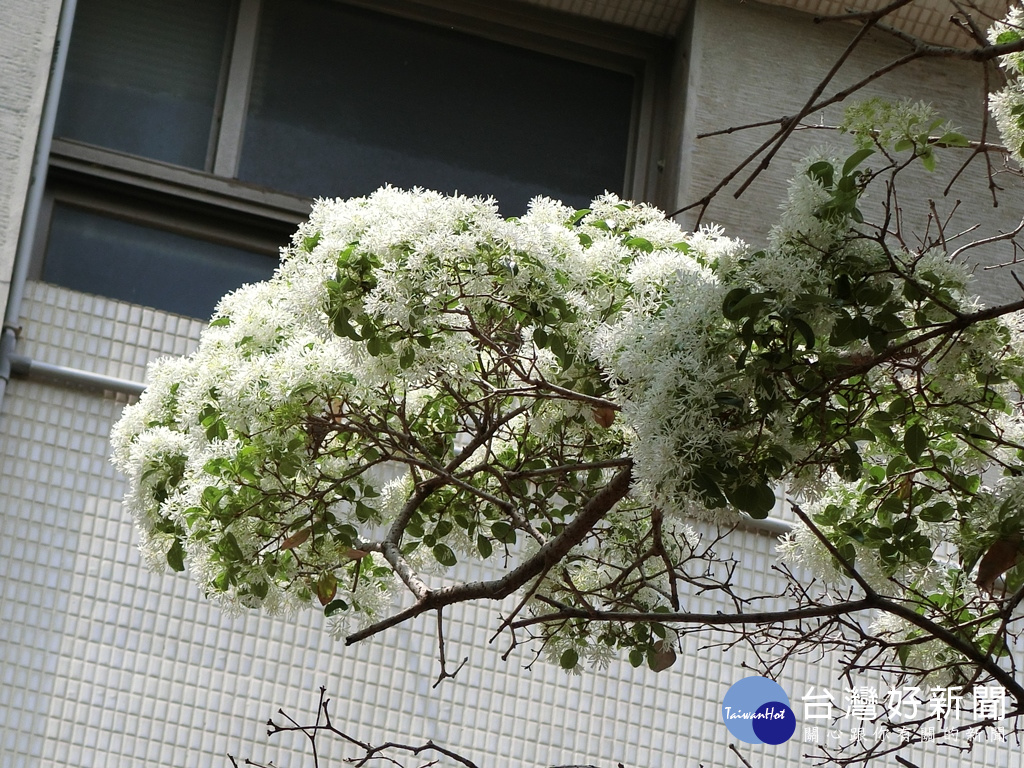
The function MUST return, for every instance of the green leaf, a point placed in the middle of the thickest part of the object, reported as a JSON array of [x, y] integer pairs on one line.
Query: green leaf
[[822, 172], [756, 500], [260, 589], [847, 329], [747, 306], [903, 653], [928, 159], [915, 441], [640, 244], [503, 532], [912, 292], [289, 465], [804, 329], [953, 139], [850, 465], [335, 606], [229, 546], [856, 159], [570, 658], [342, 326], [444, 555], [939, 512], [732, 298], [407, 358], [636, 657], [226, 320], [310, 242], [483, 546], [903, 526], [557, 345], [980, 430], [1008, 36], [892, 505], [176, 556]]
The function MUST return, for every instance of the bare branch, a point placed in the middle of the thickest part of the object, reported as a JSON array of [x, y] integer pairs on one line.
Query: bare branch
[[702, 619], [542, 560], [444, 674]]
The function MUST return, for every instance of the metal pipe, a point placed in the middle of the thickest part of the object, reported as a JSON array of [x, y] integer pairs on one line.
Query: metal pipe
[[28, 368], [769, 525], [34, 199]]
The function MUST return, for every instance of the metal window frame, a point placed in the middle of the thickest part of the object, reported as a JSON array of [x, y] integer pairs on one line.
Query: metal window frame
[[211, 204], [645, 56], [236, 97]]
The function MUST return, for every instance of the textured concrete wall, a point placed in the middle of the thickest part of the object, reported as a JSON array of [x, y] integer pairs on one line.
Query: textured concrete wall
[[27, 32], [750, 62]]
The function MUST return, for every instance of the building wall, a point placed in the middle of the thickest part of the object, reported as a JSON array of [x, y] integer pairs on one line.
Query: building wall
[[103, 663], [27, 31], [750, 62]]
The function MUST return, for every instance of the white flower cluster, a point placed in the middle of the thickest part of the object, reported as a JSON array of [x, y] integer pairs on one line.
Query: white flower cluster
[[1007, 104], [663, 370], [481, 357], [802, 549], [388, 315], [877, 122]]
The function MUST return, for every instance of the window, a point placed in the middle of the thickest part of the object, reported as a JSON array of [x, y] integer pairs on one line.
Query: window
[[190, 137]]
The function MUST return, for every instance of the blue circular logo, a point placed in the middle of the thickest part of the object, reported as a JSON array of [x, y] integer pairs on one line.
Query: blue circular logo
[[756, 711]]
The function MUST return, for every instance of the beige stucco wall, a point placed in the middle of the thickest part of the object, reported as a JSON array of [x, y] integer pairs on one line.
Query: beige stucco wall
[[27, 32], [750, 62]]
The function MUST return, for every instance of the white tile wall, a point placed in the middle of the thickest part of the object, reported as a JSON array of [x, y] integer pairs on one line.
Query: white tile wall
[[105, 664]]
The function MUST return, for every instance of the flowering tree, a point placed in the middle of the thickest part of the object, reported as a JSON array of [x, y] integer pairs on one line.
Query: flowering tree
[[555, 399]]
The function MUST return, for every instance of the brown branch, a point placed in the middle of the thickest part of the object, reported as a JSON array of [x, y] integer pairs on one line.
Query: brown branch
[[565, 468], [956, 324], [373, 752], [919, 50], [444, 674], [565, 612], [876, 14], [741, 757], [745, 127], [968, 24], [809, 106], [891, 606], [545, 557], [988, 240]]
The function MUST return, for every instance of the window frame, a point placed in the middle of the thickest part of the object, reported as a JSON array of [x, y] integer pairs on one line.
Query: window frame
[[212, 204]]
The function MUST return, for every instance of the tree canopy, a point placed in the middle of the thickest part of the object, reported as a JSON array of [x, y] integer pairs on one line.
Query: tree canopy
[[555, 399]]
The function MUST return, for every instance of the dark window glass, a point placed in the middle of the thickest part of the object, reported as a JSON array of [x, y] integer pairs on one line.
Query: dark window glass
[[97, 254], [142, 76], [345, 100]]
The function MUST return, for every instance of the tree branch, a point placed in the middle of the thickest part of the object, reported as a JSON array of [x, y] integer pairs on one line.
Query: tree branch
[[545, 557], [708, 619], [946, 329]]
